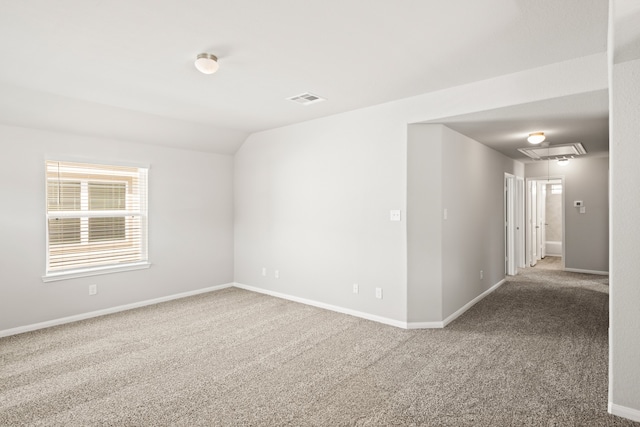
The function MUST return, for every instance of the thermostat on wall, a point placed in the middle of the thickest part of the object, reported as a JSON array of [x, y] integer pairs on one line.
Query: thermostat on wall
[[578, 203]]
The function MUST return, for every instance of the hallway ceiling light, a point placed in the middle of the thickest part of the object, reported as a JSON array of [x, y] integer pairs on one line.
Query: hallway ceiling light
[[553, 152], [536, 137], [563, 162], [206, 63]]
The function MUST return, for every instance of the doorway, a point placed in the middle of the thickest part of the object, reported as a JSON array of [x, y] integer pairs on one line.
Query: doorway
[[545, 220]]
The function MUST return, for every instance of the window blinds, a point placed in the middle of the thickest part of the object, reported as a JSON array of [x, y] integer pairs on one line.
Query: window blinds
[[96, 216]]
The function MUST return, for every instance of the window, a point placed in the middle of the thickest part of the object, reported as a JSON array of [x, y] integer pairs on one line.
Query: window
[[96, 219], [556, 188]]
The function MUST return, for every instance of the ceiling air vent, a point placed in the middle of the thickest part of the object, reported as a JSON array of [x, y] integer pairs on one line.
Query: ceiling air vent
[[568, 151], [306, 98]]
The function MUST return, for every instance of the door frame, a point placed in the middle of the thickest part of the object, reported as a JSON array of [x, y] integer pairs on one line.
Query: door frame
[[532, 255], [520, 220], [513, 223], [532, 201]]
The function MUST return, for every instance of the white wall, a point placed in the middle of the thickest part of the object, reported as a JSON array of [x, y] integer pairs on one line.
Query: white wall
[[586, 235], [624, 145], [424, 223], [624, 383], [473, 236], [624, 148], [190, 226], [447, 170], [312, 200]]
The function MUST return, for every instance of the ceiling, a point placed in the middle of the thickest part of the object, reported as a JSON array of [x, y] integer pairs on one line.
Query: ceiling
[[124, 69], [580, 118]]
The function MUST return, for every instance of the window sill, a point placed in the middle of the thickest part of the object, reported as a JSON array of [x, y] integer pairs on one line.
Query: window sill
[[95, 271]]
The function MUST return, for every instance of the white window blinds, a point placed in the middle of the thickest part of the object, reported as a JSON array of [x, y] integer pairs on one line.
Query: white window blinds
[[96, 216]]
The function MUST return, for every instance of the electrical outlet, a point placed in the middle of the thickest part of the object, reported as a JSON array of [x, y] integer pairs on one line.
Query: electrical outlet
[[379, 293], [93, 289], [264, 272], [276, 274], [356, 288], [481, 274]]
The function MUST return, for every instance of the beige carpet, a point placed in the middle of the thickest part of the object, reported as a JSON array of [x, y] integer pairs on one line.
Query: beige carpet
[[549, 263], [532, 353]]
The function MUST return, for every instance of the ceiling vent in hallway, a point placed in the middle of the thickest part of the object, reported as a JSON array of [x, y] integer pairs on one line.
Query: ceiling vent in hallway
[[566, 151], [306, 99]]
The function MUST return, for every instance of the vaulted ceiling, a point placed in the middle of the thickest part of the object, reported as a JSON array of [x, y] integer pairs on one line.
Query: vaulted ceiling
[[125, 69]]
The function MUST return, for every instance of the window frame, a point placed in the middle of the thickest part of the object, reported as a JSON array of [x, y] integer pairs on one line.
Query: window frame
[[84, 213]]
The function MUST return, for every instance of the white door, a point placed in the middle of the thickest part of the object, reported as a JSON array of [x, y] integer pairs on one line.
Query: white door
[[532, 224], [519, 238], [510, 224], [542, 215]]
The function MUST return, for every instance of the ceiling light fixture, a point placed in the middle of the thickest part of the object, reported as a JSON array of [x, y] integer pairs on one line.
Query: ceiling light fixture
[[207, 63], [536, 137], [563, 161]]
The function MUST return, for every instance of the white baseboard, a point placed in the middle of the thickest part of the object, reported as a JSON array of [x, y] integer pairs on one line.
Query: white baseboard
[[338, 309], [425, 325], [471, 303], [553, 248], [624, 412], [579, 270], [83, 316], [379, 319]]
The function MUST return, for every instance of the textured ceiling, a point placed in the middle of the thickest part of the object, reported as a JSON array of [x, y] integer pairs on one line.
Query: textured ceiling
[[79, 65]]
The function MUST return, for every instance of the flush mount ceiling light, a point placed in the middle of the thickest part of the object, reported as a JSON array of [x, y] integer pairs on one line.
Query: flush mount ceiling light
[[554, 152], [563, 162], [536, 137], [207, 63]]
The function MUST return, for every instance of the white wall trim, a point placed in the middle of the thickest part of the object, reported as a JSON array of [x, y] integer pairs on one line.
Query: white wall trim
[[95, 271], [624, 412], [553, 248], [373, 317], [338, 309], [473, 302], [97, 313], [425, 325], [579, 270]]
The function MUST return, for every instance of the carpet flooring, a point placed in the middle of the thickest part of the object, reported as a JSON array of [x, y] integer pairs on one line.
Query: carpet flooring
[[533, 353], [549, 263]]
